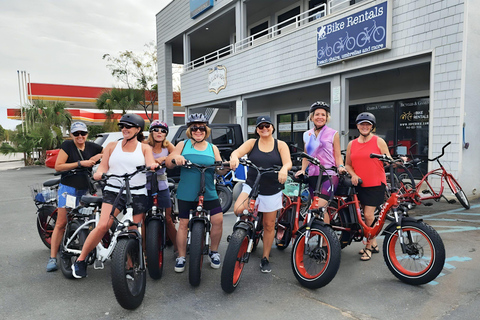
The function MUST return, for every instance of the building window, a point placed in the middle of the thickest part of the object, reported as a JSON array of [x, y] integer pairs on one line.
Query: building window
[[283, 19], [290, 128], [319, 12], [259, 30]]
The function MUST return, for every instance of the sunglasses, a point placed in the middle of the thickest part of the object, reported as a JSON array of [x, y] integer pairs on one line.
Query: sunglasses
[[80, 133], [125, 125], [263, 125], [201, 128], [159, 129]]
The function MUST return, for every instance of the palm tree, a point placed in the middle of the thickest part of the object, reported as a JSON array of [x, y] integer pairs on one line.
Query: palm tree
[[118, 99]]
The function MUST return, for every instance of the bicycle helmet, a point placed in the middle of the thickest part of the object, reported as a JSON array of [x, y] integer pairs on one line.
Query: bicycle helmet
[[366, 117], [158, 124], [319, 105], [133, 119], [197, 118]]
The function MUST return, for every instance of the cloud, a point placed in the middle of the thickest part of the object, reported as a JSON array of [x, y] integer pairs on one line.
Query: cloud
[[63, 41]]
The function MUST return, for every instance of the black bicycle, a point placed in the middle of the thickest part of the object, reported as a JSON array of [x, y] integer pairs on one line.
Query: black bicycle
[[199, 225]]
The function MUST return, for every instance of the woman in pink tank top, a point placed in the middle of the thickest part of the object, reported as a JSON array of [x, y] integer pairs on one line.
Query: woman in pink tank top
[[371, 193]]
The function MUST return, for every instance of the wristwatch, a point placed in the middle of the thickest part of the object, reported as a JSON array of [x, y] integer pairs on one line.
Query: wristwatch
[[79, 165]]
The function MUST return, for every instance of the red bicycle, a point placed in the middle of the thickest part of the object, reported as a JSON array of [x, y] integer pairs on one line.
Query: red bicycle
[[424, 190], [45, 198], [413, 250], [295, 201]]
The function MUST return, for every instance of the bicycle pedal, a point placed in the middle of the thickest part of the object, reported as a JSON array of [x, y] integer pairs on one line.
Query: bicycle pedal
[[426, 191], [428, 204], [452, 201], [98, 265]]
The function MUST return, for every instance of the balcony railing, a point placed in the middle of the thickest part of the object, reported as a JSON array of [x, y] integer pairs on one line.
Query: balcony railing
[[279, 29]]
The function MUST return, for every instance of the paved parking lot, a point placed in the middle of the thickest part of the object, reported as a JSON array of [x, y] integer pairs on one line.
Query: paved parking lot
[[361, 290]]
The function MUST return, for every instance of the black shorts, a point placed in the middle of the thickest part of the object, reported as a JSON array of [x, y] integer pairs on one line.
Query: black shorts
[[139, 201], [184, 207], [371, 196]]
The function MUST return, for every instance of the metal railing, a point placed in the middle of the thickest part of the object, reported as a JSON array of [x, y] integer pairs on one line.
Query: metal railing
[[274, 31]]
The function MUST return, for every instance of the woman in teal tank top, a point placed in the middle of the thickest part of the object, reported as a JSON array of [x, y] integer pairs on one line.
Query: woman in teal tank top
[[197, 150]]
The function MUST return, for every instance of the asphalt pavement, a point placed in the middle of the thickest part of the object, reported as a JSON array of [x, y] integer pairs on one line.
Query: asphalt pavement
[[360, 290]]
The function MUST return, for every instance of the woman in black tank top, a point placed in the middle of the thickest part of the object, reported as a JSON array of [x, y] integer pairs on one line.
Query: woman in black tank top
[[264, 152]]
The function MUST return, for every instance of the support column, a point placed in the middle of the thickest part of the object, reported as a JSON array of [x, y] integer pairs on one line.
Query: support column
[[165, 100], [240, 20], [186, 49], [344, 108]]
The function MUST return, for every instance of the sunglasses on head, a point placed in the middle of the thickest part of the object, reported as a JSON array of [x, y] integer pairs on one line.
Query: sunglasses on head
[[263, 125], [125, 125], [80, 133], [201, 128], [162, 130]]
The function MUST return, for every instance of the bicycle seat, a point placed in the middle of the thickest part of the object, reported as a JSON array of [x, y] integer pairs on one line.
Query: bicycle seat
[[91, 199], [51, 182]]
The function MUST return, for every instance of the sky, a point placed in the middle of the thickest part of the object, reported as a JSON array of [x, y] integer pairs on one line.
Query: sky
[[63, 41]]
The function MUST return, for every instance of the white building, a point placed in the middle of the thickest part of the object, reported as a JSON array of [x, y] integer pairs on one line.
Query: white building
[[410, 62]]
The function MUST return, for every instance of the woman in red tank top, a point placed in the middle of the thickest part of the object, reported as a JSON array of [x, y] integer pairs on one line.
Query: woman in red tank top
[[371, 193]]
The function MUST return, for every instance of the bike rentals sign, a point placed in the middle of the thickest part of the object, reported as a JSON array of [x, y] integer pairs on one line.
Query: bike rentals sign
[[361, 33]]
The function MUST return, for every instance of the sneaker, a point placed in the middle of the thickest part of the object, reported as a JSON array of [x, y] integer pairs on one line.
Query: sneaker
[[265, 265], [214, 259], [180, 264], [79, 269], [52, 265]]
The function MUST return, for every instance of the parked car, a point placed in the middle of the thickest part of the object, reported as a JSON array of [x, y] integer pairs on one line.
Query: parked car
[[102, 139]]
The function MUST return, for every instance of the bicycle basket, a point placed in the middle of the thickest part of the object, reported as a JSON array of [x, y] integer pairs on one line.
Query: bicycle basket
[[43, 194], [291, 188]]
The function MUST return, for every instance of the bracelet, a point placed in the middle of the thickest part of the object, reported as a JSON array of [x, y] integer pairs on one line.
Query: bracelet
[[341, 166], [79, 165]]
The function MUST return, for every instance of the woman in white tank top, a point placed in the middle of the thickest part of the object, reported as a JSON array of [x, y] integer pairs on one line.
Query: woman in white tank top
[[119, 158]]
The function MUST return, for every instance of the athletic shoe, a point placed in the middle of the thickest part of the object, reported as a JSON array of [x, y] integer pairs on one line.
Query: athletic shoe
[[79, 269], [265, 265], [52, 265], [180, 264], [214, 259]]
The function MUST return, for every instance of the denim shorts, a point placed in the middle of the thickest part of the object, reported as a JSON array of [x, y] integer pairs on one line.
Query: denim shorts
[[139, 201], [64, 190]]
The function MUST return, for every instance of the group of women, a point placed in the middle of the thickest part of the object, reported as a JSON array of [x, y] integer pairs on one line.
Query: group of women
[[264, 151]]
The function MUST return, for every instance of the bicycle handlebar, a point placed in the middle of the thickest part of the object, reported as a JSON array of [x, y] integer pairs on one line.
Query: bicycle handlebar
[[128, 175], [443, 152]]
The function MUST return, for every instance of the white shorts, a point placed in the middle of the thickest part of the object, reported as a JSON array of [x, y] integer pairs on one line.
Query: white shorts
[[266, 203]]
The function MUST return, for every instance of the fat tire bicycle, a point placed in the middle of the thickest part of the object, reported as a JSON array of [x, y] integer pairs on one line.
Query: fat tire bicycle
[[199, 225], [45, 199], [295, 204], [413, 251], [316, 251], [247, 232]]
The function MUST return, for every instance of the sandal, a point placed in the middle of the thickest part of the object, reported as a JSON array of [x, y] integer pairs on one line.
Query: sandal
[[367, 255], [373, 249]]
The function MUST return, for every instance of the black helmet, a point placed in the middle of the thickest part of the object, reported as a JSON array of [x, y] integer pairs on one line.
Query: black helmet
[[133, 119], [319, 105], [366, 117], [197, 118]]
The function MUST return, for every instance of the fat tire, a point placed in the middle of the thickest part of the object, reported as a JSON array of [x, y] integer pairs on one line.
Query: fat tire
[[330, 257], [427, 246], [129, 293], [46, 223], [232, 264], [461, 197], [225, 197], [154, 248], [197, 243]]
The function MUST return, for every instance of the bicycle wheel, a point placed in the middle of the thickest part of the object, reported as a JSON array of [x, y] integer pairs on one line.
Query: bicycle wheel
[[68, 259], [458, 192], [154, 248], [128, 279], [283, 230], [424, 257], [197, 243], [46, 219], [316, 262], [234, 260], [225, 196]]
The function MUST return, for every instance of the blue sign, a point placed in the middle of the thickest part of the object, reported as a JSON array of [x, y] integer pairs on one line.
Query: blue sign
[[197, 7], [360, 33]]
